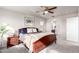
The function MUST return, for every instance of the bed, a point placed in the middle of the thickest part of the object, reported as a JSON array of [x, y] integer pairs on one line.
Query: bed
[[36, 41]]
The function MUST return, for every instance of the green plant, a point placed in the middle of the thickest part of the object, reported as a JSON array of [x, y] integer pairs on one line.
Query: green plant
[[3, 30]]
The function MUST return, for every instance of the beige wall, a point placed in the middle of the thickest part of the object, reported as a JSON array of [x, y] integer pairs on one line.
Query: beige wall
[[16, 20]]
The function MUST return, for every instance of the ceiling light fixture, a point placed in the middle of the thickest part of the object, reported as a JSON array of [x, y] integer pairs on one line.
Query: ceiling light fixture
[[46, 12]]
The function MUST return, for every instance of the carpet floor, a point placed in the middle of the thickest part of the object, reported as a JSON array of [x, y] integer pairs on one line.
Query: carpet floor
[[62, 46]]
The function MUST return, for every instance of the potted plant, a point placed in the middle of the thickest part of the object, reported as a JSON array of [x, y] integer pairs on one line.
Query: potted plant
[[3, 30]]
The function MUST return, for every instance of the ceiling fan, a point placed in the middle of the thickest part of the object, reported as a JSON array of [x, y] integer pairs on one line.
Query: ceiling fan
[[47, 9]]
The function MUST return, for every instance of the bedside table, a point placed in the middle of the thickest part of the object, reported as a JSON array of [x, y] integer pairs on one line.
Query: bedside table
[[12, 41]]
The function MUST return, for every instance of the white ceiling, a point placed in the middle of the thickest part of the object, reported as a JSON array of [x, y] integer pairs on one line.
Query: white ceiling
[[61, 10]]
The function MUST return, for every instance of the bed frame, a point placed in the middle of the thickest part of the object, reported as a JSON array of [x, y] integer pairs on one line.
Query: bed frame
[[37, 45], [43, 42]]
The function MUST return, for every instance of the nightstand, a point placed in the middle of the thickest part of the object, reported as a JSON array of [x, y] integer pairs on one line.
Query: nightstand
[[12, 41]]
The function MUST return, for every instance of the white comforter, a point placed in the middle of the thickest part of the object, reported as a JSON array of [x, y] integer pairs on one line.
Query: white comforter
[[30, 38]]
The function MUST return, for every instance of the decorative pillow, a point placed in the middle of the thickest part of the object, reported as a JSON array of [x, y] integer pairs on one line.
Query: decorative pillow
[[23, 30], [29, 30], [34, 30]]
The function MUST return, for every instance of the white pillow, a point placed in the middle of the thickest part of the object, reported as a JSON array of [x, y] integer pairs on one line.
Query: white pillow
[[29, 30], [34, 30]]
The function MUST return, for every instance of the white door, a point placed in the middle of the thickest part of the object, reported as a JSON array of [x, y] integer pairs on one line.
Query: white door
[[72, 29]]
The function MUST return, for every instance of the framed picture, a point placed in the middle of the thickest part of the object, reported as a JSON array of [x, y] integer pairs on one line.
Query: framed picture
[[28, 20]]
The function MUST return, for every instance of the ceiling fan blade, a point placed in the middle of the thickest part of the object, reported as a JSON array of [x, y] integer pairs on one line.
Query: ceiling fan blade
[[52, 8], [50, 12]]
